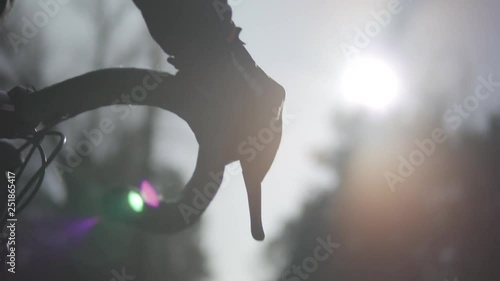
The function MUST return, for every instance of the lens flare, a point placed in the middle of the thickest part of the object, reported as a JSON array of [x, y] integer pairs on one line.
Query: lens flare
[[66, 233], [82, 226], [149, 194], [135, 201]]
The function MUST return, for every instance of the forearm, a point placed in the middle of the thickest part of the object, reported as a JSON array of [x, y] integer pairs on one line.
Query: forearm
[[96, 89]]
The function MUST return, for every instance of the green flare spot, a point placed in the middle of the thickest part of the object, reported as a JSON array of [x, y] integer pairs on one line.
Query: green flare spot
[[135, 201]]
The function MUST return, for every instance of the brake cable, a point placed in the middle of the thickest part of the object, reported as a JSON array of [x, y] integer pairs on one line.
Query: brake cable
[[33, 185]]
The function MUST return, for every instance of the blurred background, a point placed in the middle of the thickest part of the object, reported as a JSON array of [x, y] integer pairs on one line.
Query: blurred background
[[390, 148]]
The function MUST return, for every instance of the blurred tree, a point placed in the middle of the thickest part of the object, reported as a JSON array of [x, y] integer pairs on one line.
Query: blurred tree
[[49, 251], [440, 223]]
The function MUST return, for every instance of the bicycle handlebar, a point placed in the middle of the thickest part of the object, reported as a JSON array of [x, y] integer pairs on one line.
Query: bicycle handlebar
[[222, 122]]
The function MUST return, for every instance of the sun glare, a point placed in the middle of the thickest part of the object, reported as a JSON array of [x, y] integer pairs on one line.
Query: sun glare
[[371, 83]]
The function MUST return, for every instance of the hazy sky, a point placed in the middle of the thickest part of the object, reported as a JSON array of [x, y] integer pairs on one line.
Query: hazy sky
[[297, 43]]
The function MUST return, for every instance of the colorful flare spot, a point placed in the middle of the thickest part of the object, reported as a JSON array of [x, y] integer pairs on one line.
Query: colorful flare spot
[[84, 225], [135, 201], [149, 194]]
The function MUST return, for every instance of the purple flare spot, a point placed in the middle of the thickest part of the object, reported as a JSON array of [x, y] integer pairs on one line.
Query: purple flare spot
[[81, 227], [66, 233], [149, 194]]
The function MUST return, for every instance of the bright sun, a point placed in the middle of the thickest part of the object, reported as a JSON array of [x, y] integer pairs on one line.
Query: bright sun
[[370, 82]]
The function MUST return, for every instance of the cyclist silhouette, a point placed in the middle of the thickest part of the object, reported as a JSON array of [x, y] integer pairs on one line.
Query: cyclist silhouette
[[225, 98]]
